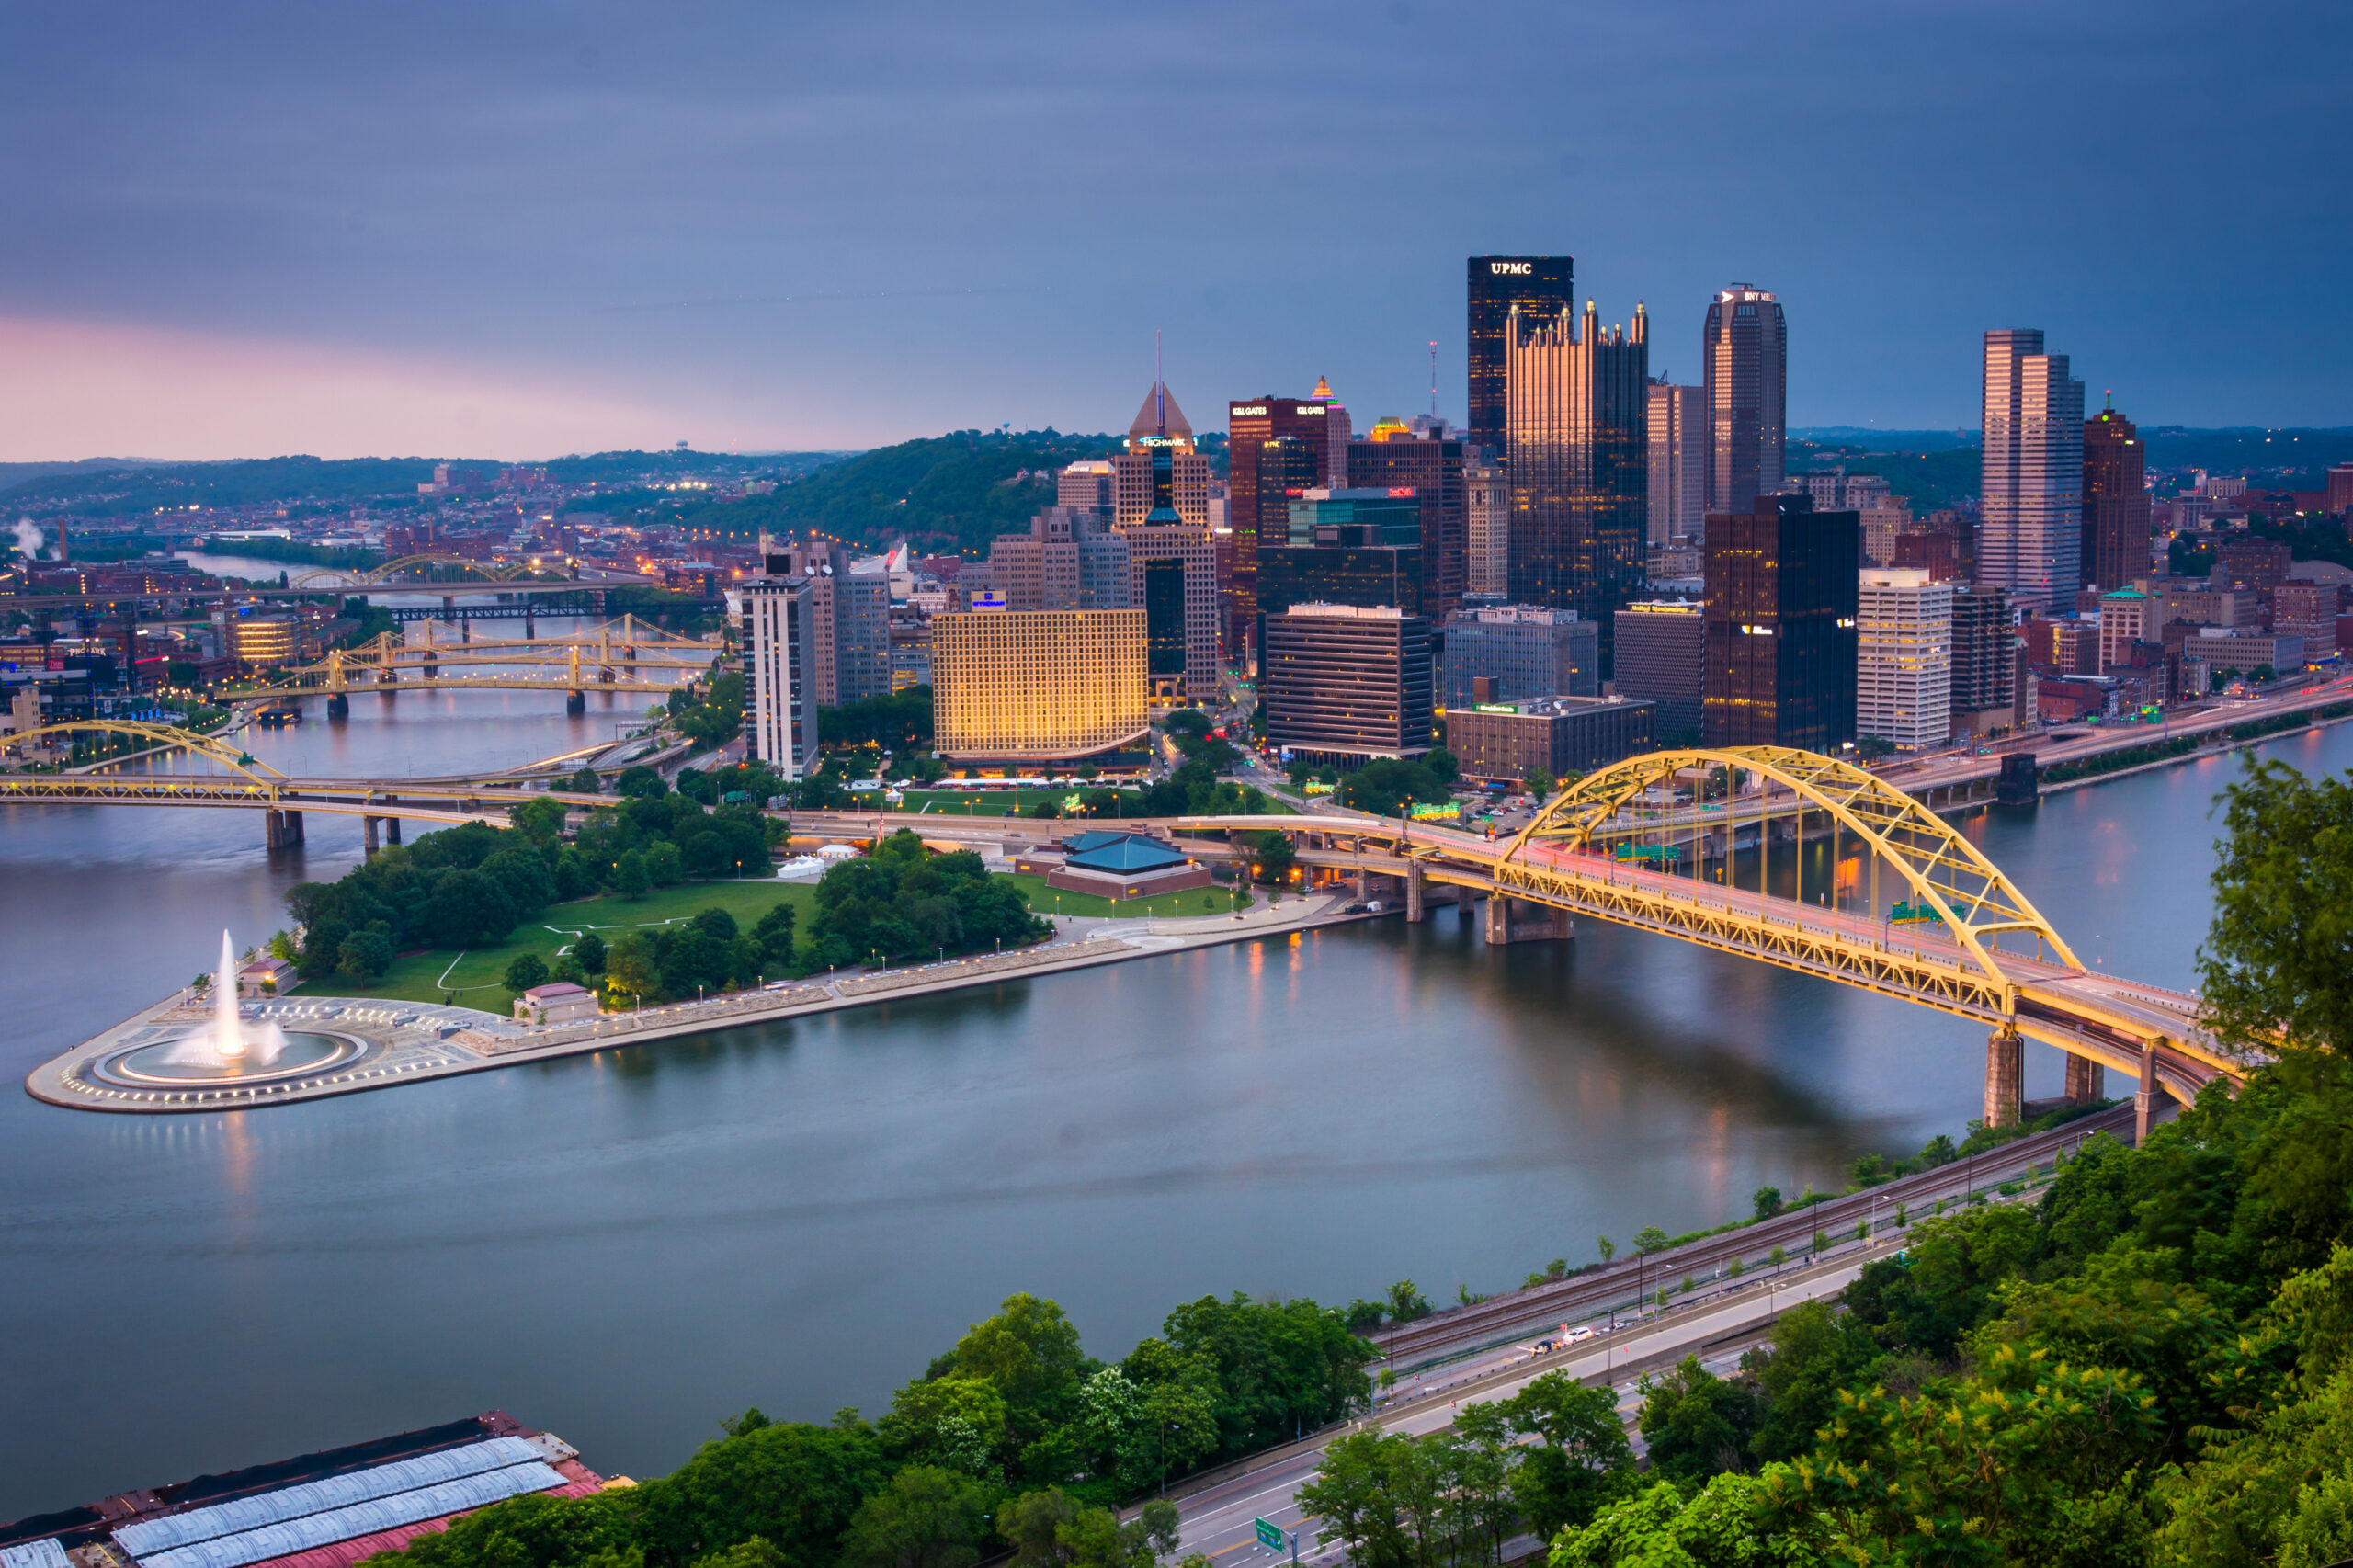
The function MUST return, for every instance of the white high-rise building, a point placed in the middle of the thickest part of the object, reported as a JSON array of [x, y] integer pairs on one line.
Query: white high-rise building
[[1678, 433], [1904, 658], [783, 617], [2029, 536]]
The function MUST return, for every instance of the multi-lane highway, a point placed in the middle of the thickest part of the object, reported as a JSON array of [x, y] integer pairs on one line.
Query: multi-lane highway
[[1493, 1350]]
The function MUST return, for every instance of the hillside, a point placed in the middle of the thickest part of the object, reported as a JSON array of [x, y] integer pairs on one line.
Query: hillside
[[1931, 479], [109, 491], [952, 491]]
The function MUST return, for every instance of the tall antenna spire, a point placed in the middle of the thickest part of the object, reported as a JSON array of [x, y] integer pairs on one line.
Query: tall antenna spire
[[1433, 378], [1159, 388]]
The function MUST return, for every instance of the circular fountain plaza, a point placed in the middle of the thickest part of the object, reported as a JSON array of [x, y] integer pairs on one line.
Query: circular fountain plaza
[[209, 1049]]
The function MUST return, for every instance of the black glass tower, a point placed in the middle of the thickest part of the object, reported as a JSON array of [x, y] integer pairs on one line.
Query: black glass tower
[[1540, 288]]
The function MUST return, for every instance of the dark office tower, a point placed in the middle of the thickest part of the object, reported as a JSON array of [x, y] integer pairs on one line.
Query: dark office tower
[[2116, 502], [1745, 351], [1985, 661], [1783, 581], [1580, 463], [1540, 288], [1660, 657], [1314, 454], [1344, 684], [1394, 458]]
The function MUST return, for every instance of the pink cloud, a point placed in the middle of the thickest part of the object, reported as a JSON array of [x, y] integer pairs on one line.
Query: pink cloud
[[81, 389]]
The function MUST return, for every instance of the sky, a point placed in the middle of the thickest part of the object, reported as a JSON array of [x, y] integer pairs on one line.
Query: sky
[[516, 231]]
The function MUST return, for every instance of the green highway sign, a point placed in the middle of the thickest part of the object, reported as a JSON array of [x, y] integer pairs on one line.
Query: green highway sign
[[1269, 1536]]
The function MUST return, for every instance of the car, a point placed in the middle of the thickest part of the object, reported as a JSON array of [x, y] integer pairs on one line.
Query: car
[[1353, 909], [1580, 1334], [1375, 907]]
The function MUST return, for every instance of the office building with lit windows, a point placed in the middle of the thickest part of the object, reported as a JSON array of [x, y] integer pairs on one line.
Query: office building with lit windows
[[1486, 527], [1579, 469], [1504, 653], [1023, 687], [1163, 512], [1398, 458], [1540, 288], [2115, 535], [1661, 647], [2030, 494], [1904, 658], [781, 626], [1781, 625], [1344, 684], [1678, 507], [1745, 353]]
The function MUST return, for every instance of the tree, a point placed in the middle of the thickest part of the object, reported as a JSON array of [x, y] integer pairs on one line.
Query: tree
[[365, 955], [640, 783], [773, 932], [1695, 1423], [1606, 1247], [590, 951], [525, 972], [1538, 782], [1406, 1302], [664, 864], [468, 909], [632, 970], [1766, 1201], [1275, 854], [540, 820], [631, 878], [1649, 1239], [926, 1518], [2274, 961], [1583, 1452]]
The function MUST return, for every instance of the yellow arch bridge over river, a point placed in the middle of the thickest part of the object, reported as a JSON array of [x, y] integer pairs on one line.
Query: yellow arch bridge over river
[[1630, 844]]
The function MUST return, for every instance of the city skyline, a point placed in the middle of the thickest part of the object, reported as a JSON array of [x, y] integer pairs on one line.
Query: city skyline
[[759, 233]]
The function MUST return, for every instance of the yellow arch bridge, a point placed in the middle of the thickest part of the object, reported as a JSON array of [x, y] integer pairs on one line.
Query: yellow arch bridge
[[1908, 907], [623, 656]]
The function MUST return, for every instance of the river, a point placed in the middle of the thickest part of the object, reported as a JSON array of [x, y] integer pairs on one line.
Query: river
[[622, 1248]]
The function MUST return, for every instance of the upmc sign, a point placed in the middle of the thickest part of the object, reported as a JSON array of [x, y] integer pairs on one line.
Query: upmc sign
[[1512, 268]]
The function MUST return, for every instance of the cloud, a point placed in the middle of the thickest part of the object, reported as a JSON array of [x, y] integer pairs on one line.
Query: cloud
[[80, 388]]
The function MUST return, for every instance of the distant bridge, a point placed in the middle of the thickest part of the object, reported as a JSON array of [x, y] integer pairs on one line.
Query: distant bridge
[[622, 655]]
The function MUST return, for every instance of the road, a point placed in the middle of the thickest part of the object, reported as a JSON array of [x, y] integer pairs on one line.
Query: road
[[1219, 1519]]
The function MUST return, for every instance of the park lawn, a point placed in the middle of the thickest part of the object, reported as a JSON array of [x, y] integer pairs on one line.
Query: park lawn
[[477, 974], [976, 803], [1194, 901]]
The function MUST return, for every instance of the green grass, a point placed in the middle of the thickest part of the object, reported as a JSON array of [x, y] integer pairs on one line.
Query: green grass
[[978, 804], [475, 974], [1194, 901]]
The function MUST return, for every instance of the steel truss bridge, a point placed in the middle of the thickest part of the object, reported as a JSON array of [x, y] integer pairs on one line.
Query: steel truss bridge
[[622, 655], [1631, 844]]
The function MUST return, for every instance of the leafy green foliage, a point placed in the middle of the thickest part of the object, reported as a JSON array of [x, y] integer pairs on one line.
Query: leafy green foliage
[[1386, 786], [896, 723], [2280, 955], [902, 902]]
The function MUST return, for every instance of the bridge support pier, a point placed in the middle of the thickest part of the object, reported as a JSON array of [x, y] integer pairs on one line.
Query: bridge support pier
[[2087, 1081], [339, 706], [392, 830], [367, 829], [1363, 881], [1416, 911], [2005, 1077], [576, 703], [2144, 1098], [281, 830], [1546, 925]]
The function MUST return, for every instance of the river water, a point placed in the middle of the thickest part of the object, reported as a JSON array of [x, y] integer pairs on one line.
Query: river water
[[621, 1248]]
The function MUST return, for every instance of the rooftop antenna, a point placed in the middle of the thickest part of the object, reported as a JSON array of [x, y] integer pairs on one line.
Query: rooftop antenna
[[1159, 389], [1433, 378]]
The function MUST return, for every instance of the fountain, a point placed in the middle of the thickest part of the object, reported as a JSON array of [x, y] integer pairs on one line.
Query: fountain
[[230, 1049], [229, 1044]]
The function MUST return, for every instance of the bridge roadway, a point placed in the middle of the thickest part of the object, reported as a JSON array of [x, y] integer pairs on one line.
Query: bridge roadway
[[2149, 1032], [1491, 1350]]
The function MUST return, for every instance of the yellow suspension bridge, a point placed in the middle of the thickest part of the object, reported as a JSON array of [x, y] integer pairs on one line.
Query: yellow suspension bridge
[[622, 655]]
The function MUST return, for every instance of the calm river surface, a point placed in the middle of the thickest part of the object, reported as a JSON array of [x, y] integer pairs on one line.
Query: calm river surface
[[622, 1248]]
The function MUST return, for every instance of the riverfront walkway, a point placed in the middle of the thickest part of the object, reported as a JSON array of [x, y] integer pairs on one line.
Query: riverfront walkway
[[399, 1042]]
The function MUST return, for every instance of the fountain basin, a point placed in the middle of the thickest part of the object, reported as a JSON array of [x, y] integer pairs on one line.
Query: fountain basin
[[151, 1065]]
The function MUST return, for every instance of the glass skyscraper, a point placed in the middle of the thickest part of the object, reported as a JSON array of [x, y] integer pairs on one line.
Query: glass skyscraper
[[2030, 534], [2115, 546], [1745, 352], [1580, 463], [1540, 288]]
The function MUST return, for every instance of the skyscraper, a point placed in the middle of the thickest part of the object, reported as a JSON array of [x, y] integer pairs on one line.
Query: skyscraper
[[1396, 458], [1163, 512], [1904, 658], [2116, 502], [1746, 352], [1069, 560], [1661, 654], [784, 673], [850, 619], [1261, 476], [1986, 661], [1678, 484], [2030, 537], [1486, 528], [1540, 288], [1782, 580], [1345, 684], [1580, 462]]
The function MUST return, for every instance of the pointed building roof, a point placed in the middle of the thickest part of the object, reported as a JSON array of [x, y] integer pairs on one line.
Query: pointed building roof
[[1323, 393], [1159, 404]]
